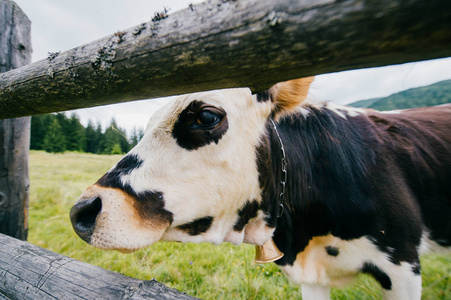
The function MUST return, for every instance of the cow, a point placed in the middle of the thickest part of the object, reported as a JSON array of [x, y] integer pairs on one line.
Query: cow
[[338, 190]]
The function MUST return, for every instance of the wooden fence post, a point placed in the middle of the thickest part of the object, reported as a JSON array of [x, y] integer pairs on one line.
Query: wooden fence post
[[15, 51]]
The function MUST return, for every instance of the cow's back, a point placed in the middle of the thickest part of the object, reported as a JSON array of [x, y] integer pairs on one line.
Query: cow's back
[[420, 142]]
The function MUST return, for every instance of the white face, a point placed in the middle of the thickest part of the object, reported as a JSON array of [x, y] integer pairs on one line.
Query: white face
[[192, 178], [199, 154]]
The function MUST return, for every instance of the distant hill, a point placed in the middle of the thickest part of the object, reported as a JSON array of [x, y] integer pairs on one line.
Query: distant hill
[[434, 94]]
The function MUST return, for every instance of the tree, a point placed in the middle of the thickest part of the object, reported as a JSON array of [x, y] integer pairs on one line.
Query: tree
[[99, 139], [57, 133], [92, 142], [76, 138], [39, 126], [136, 136], [123, 140], [112, 136], [74, 132], [116, 149], [54, 140]]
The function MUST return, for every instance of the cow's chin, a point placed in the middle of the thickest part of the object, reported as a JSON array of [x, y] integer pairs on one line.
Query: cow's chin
[[176, 235], [120, 247], [125, 241], [235, 237]]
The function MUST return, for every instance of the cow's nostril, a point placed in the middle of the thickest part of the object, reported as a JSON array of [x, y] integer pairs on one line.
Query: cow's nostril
[[83, 217]]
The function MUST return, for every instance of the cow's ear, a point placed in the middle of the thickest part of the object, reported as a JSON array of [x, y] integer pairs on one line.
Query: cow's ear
[[286, 96]]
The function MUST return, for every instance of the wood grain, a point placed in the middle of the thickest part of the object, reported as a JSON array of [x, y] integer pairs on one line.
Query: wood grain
[[30, 272], [224, 44], [15, 51]]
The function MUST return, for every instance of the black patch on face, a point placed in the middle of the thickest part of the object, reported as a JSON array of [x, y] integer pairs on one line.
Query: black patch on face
[[264, 96], [149, 204], [200, 124], [332, 251], [125, 166], [378, 274], [246, 213], [197, 226]]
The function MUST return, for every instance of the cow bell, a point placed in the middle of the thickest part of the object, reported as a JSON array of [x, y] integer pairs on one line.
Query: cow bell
[[266, 253]]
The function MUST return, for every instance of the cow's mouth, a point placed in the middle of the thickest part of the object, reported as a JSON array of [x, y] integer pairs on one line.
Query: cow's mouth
[[109, 218]]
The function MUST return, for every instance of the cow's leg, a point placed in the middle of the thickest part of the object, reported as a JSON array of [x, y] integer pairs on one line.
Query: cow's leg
[[315, 292], [405, 282]]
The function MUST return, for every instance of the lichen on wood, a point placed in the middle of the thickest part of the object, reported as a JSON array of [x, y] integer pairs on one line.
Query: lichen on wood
[[224, 44]]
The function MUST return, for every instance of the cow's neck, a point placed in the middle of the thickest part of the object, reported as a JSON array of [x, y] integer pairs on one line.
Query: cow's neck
[[327, 160], [271, 163], [268, 252], [270, 160]]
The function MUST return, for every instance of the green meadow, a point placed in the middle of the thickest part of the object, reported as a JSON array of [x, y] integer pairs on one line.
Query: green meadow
[[201, 270]]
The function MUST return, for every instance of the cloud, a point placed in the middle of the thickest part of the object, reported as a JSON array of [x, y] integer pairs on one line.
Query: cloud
[[127, 115], [64, 24]]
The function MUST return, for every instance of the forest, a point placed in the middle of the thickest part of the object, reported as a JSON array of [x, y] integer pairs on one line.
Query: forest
[[434, 94], [58, 133]]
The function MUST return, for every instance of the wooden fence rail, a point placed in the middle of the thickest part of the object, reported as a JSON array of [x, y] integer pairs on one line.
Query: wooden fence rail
[[221, 44], [30, 272]]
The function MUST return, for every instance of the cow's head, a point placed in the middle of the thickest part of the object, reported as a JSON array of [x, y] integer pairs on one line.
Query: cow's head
[[194, 177]]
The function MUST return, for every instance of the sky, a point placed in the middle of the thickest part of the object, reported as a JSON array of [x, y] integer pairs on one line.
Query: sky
[[59, 25]]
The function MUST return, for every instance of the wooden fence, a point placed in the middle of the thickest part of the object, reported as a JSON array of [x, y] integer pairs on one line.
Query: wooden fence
[[222, 44], [31, 272], [15, 51], [216, 44]]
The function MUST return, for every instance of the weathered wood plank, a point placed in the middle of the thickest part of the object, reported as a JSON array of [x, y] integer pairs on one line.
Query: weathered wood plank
[[31, 272], [15, 51], [222, 44]]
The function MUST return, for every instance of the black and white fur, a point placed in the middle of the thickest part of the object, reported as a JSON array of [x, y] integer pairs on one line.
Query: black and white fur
[[366, 191]]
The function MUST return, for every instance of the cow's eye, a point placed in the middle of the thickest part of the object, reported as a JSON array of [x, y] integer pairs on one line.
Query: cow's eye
[[208, 118], [200, 124]]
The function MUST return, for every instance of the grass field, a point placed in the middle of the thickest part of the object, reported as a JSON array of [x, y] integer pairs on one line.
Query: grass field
[[201, 270]]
